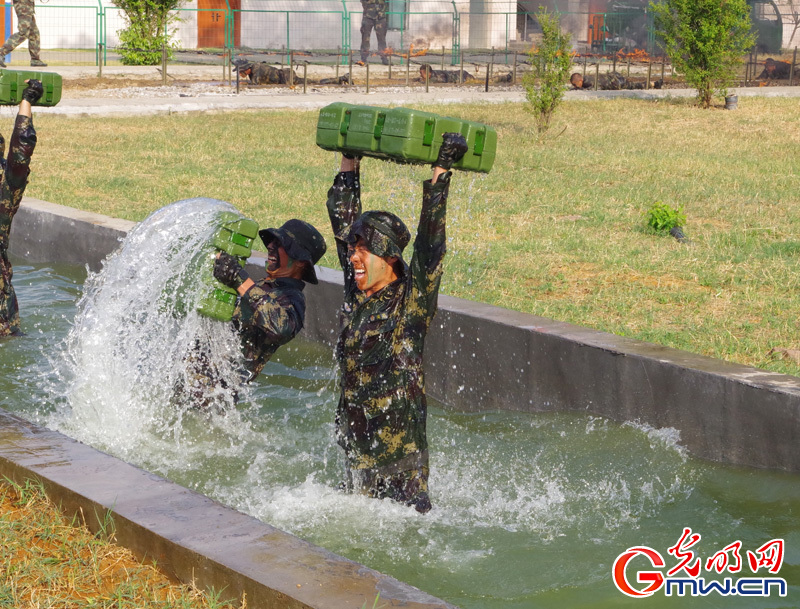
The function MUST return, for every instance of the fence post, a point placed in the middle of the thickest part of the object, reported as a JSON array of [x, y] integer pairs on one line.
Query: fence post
[[408, 66], [427, 76], [291, 69], [442, 57], [350, 57], [305, 76], [514, 70], [390, 65], [791, 70], [100, 63], [367, 66], [649, 73], [461, 73], [629, 67], [237, 82], [597, 76], [164, 63]]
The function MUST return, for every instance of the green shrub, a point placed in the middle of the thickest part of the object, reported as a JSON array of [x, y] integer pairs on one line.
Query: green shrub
[[705, 40], [662, 218], [148, 31], [550, 65]]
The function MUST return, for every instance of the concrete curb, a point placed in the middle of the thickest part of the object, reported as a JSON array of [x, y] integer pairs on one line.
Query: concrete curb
[[191, 537]]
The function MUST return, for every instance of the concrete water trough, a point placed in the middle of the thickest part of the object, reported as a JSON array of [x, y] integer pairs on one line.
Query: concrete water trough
[[480, 358]]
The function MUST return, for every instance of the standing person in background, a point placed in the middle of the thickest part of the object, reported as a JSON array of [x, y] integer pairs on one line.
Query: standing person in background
[[12, 185], [374, 16], [27, 30]]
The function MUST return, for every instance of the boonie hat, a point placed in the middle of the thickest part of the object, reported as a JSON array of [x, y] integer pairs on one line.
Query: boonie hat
[[382, 231], [301, 241]]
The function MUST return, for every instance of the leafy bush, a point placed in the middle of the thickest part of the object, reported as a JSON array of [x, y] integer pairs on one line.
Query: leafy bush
[[148, 30], [705, 40], [550, 65], [662, 218]]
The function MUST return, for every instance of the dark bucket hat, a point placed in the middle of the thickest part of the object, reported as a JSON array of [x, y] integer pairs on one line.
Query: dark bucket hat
[[383, 232], [301, 241]]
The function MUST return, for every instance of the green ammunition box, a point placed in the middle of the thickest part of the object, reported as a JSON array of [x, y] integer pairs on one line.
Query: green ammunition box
[[332, 124], [402, 134], [413, 136], [12, 84], [235, 235]]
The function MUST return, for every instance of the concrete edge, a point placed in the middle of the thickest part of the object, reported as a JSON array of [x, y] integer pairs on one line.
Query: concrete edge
[[193, 538]]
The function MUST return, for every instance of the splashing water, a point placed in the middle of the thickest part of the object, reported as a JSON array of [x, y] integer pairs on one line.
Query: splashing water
[[126, 368]]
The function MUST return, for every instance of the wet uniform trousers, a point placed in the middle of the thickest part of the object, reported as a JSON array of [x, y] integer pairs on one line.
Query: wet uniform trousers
[[12, 187], [26, 29], [374, 17], [269, 315], [382, 410]]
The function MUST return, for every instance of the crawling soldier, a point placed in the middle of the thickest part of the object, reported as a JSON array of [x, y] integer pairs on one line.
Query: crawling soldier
[[388, 308], [12, 185], [443, 76], [261, 73]]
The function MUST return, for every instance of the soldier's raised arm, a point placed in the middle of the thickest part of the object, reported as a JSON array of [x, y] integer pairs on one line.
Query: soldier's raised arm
[[344, 206]]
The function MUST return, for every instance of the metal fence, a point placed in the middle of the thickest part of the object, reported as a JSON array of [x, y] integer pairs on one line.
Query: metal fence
[[212, 31]]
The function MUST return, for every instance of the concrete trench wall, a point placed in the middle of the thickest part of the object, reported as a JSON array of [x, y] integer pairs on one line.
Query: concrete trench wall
[[481, 357]]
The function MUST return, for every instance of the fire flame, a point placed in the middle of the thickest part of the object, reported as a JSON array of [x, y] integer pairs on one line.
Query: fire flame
[[411, 52]]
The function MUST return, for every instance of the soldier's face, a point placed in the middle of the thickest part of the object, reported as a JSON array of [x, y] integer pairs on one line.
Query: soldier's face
[[372, 273], [277, 258]]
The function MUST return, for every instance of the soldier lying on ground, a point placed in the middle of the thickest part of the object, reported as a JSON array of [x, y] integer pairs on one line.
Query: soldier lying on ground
[[342, 80], [774, 70], [261, 73], [269, 312], [443, 76], [611, 81], [388, 308], [12, 185]]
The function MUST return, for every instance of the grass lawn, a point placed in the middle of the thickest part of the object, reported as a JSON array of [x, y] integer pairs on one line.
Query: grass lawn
[[556, 229], [48, 562]]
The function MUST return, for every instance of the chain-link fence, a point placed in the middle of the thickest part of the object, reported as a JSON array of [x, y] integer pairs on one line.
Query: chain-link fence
[[447, 34]]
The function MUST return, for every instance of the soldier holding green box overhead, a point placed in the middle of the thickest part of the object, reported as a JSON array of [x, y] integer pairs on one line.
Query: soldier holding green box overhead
[[14, 179], [388, 308], [271, 312]]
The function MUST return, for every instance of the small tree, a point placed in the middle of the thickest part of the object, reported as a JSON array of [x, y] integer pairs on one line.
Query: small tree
[[148, 30], [550, 65], [705, 39]]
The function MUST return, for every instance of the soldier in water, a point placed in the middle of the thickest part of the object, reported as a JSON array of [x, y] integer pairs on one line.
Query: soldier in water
[[271, 312], [374, 17], [388, 308], [15, 172]]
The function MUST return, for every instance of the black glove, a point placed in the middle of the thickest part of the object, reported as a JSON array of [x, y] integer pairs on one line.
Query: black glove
[[453, 148], [351, 156], [228, 271], [34, 91]]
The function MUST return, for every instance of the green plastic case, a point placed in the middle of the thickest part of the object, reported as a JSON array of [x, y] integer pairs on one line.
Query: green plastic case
[[12, 84], [235, 236], [404, 135]]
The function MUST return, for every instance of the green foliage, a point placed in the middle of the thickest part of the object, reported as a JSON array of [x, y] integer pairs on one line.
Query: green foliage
[[550, 65], [148, 31], [705, 40], [661, 218]]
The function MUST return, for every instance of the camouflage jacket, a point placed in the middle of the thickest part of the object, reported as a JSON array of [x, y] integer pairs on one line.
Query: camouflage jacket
[[12, 186], [269, 315], [382, 409], [374, 9]]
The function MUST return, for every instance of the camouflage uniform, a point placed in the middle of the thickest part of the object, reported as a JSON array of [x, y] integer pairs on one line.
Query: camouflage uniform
[[26, 20], [374, 16], [382, 411], [444, 76], [12, 186], [269, 315]]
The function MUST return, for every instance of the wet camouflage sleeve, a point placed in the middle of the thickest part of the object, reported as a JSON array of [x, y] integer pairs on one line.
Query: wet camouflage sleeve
[[27, 30], [12, 187], [269, 315], [344, 208]]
